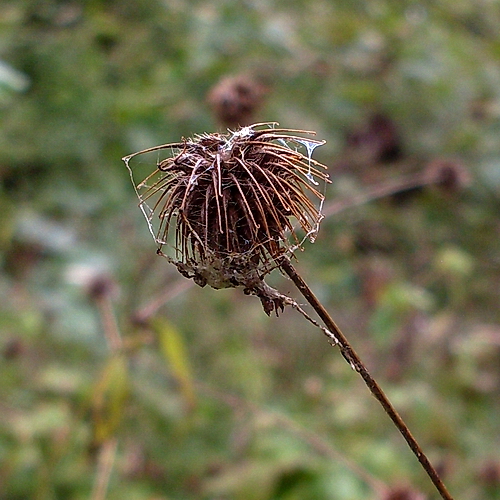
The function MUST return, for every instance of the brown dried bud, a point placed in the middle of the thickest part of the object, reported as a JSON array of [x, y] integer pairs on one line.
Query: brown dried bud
[[100, 286], [13, 348], [231, 199], [403, 493], [449, 176], [489, 474], [377, 141], [236, 99]]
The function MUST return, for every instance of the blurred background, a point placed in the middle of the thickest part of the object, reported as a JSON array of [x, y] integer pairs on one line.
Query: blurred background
[[120, 379]]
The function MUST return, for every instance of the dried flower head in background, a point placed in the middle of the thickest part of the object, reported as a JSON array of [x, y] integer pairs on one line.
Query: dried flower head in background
[[231, 201], [375, 142], [403, 493], [235, 99], [448, 175]]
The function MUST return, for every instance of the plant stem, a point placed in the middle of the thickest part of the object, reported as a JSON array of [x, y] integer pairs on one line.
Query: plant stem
[[108, 448], [377, 191], [353, 359], [107, 454], [110, 326]]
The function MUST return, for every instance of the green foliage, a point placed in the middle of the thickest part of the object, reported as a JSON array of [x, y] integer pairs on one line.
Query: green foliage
[[208, 398], [109, 397], [174, 351]]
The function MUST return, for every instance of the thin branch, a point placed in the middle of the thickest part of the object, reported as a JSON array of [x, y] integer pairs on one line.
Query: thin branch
[[109, 323], [101, 292], [107, 454], [380, 190], [355, 362], [145, 313]]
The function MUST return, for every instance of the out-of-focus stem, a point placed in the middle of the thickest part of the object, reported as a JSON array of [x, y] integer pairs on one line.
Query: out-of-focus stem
[[109, 324], [377, 191], [107, 450], [107, 453]]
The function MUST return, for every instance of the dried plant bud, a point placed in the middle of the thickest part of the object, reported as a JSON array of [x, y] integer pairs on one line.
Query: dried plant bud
[[100, 286], [13, 349], [489, 474], [235, 99], [377, 141], [231, 201], [449, 176], [403, 493]]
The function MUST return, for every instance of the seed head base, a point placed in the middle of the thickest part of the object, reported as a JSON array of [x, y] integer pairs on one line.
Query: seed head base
[[233, 201]]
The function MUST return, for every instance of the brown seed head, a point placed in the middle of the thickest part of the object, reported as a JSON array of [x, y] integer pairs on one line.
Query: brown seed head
[[231, 201], [403, 493], [235, 99], [449, 176]]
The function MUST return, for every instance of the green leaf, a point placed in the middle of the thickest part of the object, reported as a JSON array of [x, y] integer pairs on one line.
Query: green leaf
[[109, 398], [175, 353]]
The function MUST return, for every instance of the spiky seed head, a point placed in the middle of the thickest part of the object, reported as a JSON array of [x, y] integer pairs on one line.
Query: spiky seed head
[[233, 201]]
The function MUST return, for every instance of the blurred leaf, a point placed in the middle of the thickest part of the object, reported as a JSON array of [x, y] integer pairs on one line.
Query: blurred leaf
[[175, 353], [7, 224], [396, 304], [110, 397], [12, 79], [61, 379], [252, 480], [42, 422], [35, 229], [454, 261]]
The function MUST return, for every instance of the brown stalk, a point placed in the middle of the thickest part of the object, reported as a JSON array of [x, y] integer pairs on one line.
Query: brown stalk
[[105, 463], [355, 362], [101, 291]]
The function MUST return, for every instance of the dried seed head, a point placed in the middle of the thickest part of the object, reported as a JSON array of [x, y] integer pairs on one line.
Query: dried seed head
[[403, 493], [235, 99], [231, 201], [489, 473], [449, 176]]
